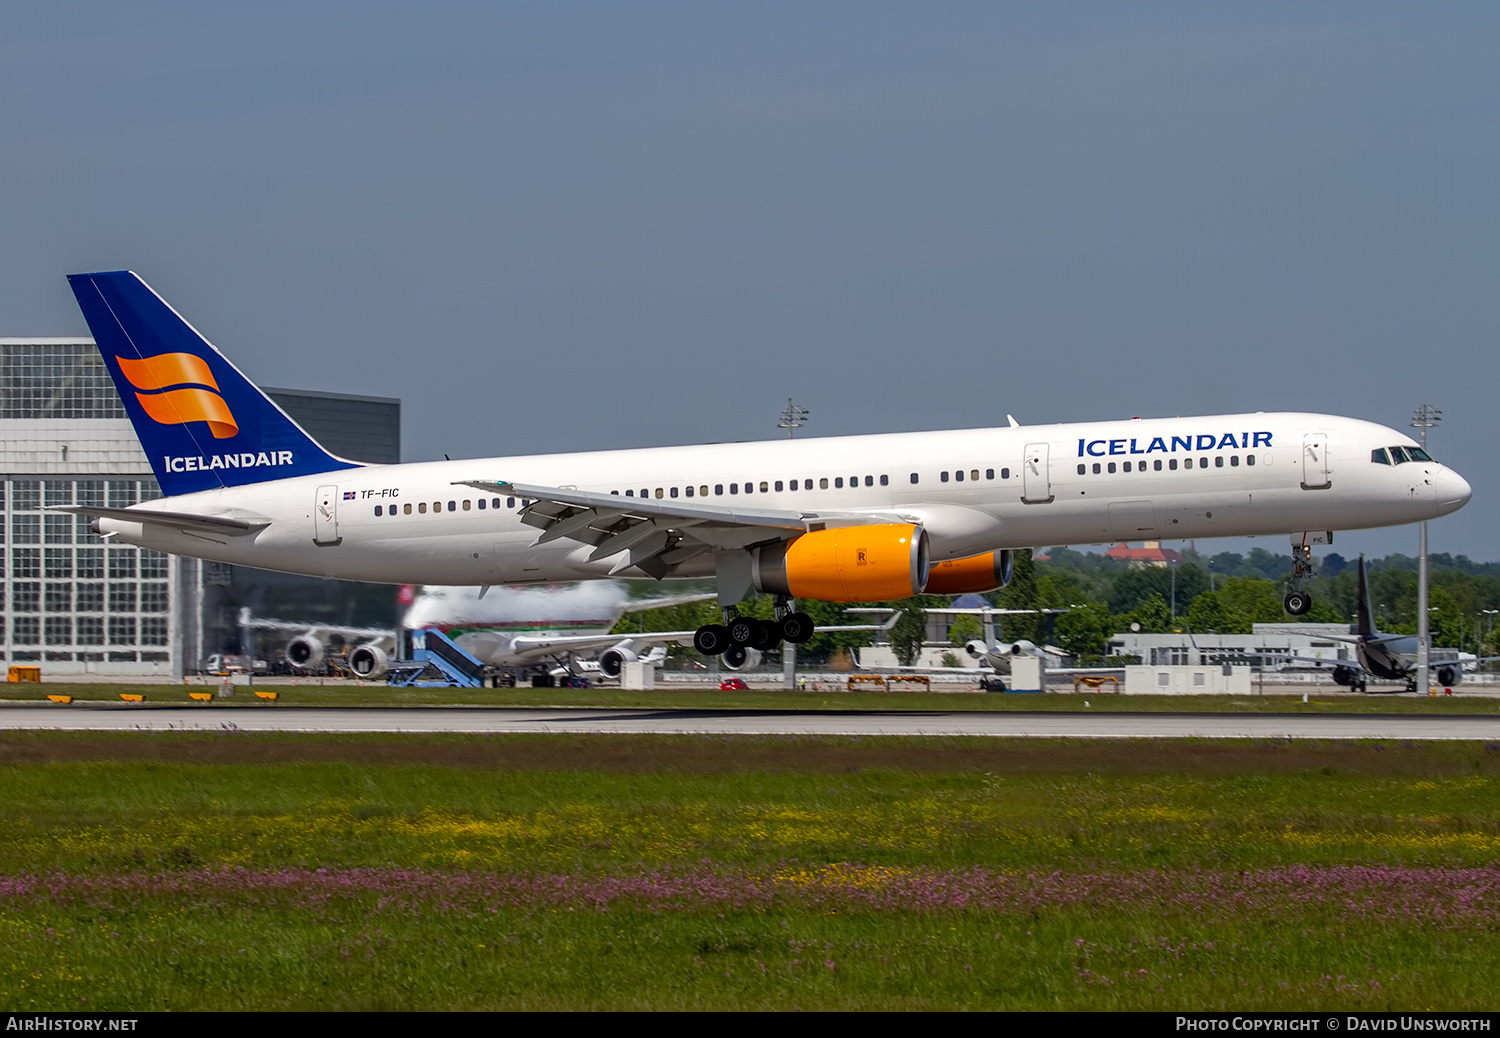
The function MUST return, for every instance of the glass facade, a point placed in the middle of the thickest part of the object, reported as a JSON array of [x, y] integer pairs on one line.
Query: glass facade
[[56, 380], [69, 596]]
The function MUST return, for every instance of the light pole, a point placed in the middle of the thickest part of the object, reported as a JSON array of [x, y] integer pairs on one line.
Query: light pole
[[1425, 417], [793, 417]]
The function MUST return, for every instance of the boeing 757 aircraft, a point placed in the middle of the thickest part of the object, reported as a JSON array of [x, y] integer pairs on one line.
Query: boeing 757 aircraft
[[844, 519]]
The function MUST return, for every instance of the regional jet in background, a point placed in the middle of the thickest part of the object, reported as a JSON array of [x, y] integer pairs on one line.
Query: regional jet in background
[[1384, 657], [845, 519]]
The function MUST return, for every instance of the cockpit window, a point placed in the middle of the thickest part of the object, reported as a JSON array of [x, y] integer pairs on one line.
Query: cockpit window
[[1418, 454], [1398, 455], [1379, 456]]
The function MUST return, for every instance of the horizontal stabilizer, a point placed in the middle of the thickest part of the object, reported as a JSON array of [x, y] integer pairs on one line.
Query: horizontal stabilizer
[[222, 524]]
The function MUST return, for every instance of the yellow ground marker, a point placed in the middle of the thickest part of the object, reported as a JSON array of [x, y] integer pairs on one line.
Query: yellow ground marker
[[132, 697], [61, 699], [202, 697], [267, 695]]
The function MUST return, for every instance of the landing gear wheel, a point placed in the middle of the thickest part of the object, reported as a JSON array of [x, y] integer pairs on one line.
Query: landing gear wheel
[[711, 639], [767, 635], [742, 630], [1297, 602], [796, 628]]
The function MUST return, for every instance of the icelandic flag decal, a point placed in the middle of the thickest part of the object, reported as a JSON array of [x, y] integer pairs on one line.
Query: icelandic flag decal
[[348, 495]]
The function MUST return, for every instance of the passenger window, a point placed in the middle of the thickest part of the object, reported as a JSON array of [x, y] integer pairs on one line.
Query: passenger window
[[377, 510], [870, 481], [823, 483], [1234, 461], [974, 474], [1096, 468], [765, 488], [466, 504], [495, 503], [1126, 466], [1111, 467], [1249, 459], [482, 501], [1219, 462], [422, 507], [630, 493], [1082, 469], [989, 473], [702, 491], [913, 477], [719, 489], [406, 509], [1172, 464], [1005, 473], [942, 477], [452, 506], [510, 502], [1156, 464], [687, 493], [838, 483], [660, 493], [959, 475], [1187, 463]]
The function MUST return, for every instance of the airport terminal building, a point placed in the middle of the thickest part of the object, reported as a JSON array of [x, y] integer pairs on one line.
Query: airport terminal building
[[77, 605]]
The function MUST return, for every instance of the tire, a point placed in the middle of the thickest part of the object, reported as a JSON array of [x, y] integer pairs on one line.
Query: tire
[[797, 628], [742, 630], [1297, 603], [767, 635], [711, 639]]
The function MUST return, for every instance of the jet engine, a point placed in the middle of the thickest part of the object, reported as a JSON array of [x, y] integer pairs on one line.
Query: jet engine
[[989, 571], [612, 661], [304, 651], [741, 657], [368, 661], [875, 563], [1345, 676], [979, 650], [1449, 674]]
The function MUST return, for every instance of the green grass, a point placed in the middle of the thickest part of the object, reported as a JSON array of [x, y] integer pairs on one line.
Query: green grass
[[181, 871]]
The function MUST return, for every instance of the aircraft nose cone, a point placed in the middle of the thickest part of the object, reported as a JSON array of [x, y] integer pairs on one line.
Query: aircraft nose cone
[[1452, 491]]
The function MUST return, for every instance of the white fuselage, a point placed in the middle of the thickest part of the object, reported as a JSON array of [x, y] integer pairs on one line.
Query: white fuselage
[[1035, 485]]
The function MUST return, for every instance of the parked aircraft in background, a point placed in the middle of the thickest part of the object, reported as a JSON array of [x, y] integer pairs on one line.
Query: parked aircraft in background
[[1384, 657], [309, 645], [847, 519], [542, 628]]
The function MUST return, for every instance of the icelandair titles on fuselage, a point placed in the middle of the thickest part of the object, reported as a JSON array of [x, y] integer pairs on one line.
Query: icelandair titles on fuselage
[[264, 459], [1190, 444]]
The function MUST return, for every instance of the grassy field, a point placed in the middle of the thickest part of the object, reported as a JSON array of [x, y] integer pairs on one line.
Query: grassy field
[[1320, 699], [183, 871]]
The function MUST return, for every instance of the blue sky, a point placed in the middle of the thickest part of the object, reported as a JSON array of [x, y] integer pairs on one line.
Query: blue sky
[[572, 226]]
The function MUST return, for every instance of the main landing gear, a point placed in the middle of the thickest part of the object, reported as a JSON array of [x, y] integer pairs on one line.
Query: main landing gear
[[1298, 601], [747, 632]]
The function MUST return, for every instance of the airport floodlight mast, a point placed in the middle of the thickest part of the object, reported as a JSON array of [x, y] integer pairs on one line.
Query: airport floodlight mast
[[1423, 418], [793, 417]]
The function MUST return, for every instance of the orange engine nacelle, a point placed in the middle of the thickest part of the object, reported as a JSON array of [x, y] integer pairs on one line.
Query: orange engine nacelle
[[847, 564], [977, 573]]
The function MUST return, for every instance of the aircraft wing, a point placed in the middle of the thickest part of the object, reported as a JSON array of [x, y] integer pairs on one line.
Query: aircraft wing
[[221, 524], [657, 535], [539, 644]]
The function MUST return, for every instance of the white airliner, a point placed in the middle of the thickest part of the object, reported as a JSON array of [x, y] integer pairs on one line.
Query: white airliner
[[846, 519]]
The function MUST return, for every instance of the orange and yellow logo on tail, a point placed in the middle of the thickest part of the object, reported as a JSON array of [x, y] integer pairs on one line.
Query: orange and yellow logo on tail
[[190, 403]]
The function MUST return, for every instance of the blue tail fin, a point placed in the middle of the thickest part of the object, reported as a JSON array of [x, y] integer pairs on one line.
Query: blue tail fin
[[201, 423], [1366, 626]]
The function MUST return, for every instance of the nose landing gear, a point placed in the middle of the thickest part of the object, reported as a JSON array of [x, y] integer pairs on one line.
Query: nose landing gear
[[1297, 601]]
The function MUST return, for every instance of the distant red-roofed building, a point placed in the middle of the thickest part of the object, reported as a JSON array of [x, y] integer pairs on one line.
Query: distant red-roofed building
[[1150, 554]]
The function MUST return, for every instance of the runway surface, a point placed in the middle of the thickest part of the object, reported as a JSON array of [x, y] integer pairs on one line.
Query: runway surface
[[1102, 725]]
